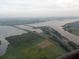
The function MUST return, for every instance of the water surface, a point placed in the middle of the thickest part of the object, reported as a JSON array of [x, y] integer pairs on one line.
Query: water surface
[[57, 25], [6, 31]]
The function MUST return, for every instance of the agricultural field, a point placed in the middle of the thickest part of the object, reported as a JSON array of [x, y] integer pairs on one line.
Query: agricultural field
[[35, 47]]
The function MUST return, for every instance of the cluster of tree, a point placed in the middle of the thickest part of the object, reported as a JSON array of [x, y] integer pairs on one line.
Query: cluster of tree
[[18, 39]]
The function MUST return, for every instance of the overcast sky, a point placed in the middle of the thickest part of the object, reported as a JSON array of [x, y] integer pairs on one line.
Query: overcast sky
[[39, 7]]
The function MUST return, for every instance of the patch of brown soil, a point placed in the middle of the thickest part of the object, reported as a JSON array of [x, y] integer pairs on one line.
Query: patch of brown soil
[[44, 44]]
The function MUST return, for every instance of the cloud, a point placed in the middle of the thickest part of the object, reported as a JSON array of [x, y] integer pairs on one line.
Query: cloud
[[37, 7]]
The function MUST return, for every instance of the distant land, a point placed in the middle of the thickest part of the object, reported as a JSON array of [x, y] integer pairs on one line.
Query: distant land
[[24, 20], [72, 27], [18, 21]]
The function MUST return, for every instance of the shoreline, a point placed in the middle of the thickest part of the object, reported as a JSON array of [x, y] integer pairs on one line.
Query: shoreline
[[57, 25]]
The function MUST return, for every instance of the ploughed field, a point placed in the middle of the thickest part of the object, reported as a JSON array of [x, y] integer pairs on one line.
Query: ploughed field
[[32, 46]]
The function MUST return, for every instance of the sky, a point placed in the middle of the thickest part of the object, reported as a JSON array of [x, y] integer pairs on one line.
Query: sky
[[39, 8]]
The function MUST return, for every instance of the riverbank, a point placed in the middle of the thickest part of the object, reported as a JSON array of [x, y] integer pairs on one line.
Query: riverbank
[[72, 28]]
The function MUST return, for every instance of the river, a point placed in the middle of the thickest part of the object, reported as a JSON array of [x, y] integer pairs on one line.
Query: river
[[57, 25], [6, 31]]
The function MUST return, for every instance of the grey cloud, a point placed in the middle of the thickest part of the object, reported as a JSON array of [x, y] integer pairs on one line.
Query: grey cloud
[[38, 7]]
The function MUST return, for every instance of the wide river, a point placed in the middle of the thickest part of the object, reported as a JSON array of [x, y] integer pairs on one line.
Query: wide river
[[6, 31], [57, 25]]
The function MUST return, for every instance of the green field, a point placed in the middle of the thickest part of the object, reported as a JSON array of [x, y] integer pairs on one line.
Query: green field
[[39, 48], [72, 28], [75, 31]]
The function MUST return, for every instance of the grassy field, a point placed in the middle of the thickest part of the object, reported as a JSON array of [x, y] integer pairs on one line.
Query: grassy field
[[72, 27], [37, 49], [75, 31]]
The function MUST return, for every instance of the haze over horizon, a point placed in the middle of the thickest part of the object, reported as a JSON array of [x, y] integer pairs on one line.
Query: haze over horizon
[[30, 8]]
